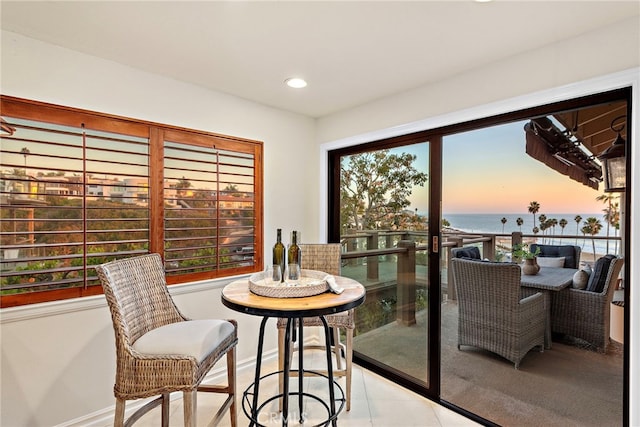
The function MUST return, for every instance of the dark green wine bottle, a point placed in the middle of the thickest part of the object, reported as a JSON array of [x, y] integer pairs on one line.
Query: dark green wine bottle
[[279, 254], [294, 255]]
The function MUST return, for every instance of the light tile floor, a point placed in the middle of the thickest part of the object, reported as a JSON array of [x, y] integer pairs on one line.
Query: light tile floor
[[375, 402]]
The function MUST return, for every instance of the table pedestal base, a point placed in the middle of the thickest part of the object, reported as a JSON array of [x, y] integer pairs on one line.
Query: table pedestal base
[[271, 418], [252, 409]]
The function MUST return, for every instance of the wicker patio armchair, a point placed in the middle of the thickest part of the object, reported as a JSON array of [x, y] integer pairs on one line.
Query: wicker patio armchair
[[491, 312], [326, 258], [159, 350], [584, 314]]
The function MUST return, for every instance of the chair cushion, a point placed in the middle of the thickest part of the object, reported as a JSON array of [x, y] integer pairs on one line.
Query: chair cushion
[[196, 338], [471, 252], [598, 277], [566, 251], [548, 261]]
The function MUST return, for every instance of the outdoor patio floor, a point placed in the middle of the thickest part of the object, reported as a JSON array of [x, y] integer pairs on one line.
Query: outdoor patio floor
[[567, 385]]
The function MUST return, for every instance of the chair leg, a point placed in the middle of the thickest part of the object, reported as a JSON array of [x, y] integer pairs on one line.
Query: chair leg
[[165, 409], [349, 357], [336, 347], [118, 421], [231, 381], [190, 402]]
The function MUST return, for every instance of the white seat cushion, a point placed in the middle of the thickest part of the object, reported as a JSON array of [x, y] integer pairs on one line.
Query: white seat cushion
[[196, 338], [547, 261]]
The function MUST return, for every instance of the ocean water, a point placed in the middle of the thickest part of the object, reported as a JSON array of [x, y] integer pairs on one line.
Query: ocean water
[[491, 223]]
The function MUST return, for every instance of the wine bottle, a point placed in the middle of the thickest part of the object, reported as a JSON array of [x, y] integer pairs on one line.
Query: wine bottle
[[279, 254], [294, 255]]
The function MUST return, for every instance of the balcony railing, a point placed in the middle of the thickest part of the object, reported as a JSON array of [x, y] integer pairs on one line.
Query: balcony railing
[[396, 261]]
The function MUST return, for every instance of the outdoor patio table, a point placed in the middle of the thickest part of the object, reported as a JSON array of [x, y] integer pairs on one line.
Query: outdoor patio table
[[237, 296], [547, 281]]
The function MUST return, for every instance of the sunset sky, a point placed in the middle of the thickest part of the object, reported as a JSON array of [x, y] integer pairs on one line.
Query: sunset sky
[[502, 178], [488, 171]]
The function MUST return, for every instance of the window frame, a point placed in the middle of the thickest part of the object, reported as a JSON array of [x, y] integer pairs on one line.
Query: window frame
[[155, 133]]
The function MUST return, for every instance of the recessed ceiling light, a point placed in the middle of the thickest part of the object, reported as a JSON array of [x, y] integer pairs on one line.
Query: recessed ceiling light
[[295, 82]]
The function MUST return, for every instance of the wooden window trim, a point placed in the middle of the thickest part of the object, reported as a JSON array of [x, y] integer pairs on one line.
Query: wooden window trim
[[155, 132]]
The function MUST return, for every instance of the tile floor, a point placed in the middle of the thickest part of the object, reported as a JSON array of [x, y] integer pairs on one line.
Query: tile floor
[[376, 402]]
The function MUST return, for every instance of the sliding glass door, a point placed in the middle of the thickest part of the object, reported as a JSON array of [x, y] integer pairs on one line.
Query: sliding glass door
[[398, 206], [383, 195]]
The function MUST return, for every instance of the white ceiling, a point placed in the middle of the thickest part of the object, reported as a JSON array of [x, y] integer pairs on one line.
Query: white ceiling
[[349, 52]]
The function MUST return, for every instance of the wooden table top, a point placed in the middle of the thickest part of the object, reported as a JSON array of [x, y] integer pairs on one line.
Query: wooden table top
[[237, 296]]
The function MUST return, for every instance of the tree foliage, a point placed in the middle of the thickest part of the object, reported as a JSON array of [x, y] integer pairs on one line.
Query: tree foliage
[[375, 189]]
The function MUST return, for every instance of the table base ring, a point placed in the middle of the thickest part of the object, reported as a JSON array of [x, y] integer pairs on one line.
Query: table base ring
[[248, 395]]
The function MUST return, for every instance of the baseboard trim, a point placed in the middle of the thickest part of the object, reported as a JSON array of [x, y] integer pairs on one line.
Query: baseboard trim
[[104, 417]]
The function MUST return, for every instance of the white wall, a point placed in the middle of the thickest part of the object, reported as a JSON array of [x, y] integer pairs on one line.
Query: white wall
[[600, 61], [608, 50], [58, 359]]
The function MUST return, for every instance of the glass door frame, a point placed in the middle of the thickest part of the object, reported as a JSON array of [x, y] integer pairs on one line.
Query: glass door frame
[[434, 187]]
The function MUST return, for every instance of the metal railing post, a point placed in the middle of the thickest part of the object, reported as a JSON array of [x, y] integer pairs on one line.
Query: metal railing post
[[406, 291]]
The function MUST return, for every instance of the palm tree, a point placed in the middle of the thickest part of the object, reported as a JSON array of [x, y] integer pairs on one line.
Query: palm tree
[[577, 219], [609, 212], [534, 207], [544, 225], [25, 152], [563, 223], [503, 221], [520, 221], [606, 198], [612, 216], [542, 219], [553, 222], [592, 226]]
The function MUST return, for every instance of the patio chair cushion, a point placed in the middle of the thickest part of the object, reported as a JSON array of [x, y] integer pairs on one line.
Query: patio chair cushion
[[570, 253], [470, 252], [549, 261], [598, 277], [196, 338]]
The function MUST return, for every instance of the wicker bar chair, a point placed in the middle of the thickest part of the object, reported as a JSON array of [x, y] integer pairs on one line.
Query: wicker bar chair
[[326, 258], [158, 350], [585, 314], [491, 312]]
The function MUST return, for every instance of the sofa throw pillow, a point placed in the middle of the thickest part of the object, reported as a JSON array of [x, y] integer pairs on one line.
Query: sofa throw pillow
[[548, 261], [598, 277], [580, 279]]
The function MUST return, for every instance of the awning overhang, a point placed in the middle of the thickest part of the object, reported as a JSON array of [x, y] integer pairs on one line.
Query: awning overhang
[[547, 144]]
